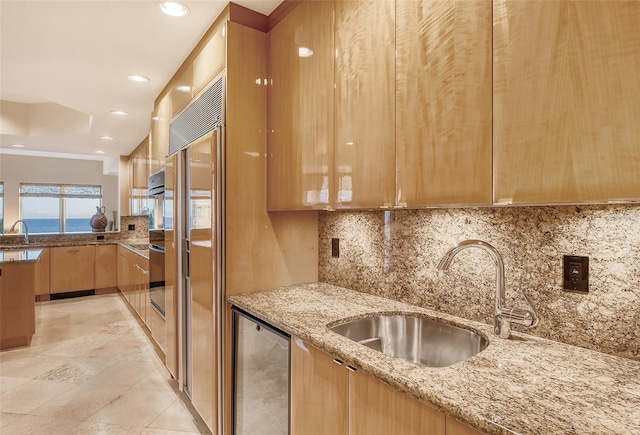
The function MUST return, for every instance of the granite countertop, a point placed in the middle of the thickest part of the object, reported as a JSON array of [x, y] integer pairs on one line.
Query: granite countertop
[[19, 255], [524, 385]]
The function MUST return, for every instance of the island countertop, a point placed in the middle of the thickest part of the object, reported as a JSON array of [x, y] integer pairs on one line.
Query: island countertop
[[19, 255], [523, 385]]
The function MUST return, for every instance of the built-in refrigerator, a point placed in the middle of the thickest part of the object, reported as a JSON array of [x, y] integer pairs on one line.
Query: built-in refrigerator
[[261, 377]]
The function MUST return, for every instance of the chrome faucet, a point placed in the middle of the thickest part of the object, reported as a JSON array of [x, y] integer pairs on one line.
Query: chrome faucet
[[26, 230], [504, 316]]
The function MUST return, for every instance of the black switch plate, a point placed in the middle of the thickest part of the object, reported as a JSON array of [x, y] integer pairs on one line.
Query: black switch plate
[[100, 237], [335, 247], [132, 227], [576, 273]]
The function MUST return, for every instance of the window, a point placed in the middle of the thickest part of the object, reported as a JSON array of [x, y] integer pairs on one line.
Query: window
[[1, 207], [58, 208]]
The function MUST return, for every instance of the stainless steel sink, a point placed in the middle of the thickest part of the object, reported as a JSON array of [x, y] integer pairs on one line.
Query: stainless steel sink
[[415, 339]]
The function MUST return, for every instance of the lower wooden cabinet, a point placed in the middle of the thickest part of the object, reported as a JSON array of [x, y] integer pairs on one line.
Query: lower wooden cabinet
[[43, 284], [72, 268], [328, 396], [106, 261], [17, 304]]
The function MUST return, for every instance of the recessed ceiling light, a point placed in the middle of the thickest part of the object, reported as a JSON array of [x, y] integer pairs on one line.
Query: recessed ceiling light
[[106, 137], [138, 78], [17, 145], [99, 152], [119, 112], [173, 8], [305, 52], [183, 88]]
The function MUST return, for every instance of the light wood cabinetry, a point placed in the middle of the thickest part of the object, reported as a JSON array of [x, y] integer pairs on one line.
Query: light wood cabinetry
[[106, 266], [17, 304], [319, 389], [43, 280], [211, 60], [133, 282], [329, 397], [171, 245], [566, 112], [181, 90], [365, 103], [454, 427], [443, 102], [139, 167], [159, 136], [300, 109], [72, 268]]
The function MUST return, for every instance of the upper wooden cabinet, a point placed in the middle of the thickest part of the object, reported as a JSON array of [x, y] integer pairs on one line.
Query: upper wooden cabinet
[[139, 167], [159, 138], [300, 109], [365, 103], [181, 90], [211, 60], [566, 93], [443, 102]]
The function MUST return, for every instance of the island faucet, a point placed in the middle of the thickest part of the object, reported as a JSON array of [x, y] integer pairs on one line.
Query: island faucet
[[26, 230], [504, 315]]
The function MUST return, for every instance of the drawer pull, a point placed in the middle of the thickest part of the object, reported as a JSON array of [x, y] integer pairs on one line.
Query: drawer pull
[[337, 361], [351, 369], [72, 251]]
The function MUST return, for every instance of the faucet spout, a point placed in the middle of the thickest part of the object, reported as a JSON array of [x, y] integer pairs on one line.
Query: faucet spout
[[25, 227], [503, 314]]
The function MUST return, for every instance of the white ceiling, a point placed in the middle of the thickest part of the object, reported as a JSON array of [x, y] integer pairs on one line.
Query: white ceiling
[[67, 63]]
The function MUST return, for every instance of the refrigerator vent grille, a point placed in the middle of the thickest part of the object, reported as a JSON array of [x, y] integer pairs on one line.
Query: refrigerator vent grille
[[202, 116]]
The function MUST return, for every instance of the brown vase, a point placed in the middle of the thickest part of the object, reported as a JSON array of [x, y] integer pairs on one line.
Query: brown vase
[[99, 220]]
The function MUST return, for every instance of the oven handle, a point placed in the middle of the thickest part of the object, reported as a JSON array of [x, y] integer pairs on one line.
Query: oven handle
[[157, 249]]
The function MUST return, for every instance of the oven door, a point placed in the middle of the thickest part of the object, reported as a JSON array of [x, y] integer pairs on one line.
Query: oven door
[[156, 277]]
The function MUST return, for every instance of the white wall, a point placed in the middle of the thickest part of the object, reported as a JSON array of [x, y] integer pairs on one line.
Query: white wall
[[15, 169]]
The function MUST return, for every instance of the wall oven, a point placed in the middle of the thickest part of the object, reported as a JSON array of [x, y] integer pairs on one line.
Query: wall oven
[[156, 241]]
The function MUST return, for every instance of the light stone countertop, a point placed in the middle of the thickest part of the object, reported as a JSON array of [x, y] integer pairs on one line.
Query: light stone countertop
[[524, 385]]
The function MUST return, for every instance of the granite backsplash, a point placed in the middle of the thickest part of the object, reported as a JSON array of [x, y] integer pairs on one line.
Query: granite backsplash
[[394, 254]]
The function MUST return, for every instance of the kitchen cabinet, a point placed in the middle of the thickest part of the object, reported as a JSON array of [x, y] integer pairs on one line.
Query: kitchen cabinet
[[171, 245], [300, 107], [43, 284], [211, 60], [72, 268], [139, 166], [454, 427], [365, 103], [330, 397], [159, 136], [106, 264], [566, 112], [181, 90], [133, 282], [17, 304], [443, 102]]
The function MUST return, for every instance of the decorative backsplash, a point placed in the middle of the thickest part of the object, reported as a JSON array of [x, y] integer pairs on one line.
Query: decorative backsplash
[[395, 253]]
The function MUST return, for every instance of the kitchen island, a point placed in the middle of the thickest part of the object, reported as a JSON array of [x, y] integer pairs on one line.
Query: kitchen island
[[18, 272], [523, 385]]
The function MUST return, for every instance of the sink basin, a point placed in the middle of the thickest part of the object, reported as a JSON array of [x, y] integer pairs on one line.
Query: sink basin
[[415, 339]]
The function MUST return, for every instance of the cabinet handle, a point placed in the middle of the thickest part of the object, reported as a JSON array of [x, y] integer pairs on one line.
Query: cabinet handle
[[337, 361], [351, 369], [72, 251]]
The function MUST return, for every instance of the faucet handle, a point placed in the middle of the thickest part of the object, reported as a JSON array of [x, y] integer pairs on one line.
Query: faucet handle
[[536, 317]]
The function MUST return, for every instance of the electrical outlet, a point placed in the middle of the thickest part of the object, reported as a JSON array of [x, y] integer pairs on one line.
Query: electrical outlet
[[100, 237], [335, 247], [576, 273], [131, 227]]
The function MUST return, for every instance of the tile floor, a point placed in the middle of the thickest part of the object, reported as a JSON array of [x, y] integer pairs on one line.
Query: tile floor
[[90, 369]]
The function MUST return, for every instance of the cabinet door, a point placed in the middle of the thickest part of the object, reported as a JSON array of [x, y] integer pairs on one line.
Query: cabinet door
[[300, 109], [159, 139], [318, 392], [43, 283], [171, 267], [365, 103], [106, 266], [375, 407], [139, 167], [211, 60], [181, 90], [72, 268], [566, 92], [454, 427], [443, 102]]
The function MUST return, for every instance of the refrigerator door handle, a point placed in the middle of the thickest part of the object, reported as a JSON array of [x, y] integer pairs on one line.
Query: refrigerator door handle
[[185, 258]]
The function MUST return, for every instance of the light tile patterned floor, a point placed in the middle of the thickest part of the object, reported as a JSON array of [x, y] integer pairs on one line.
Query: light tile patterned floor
[[90, 369]]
